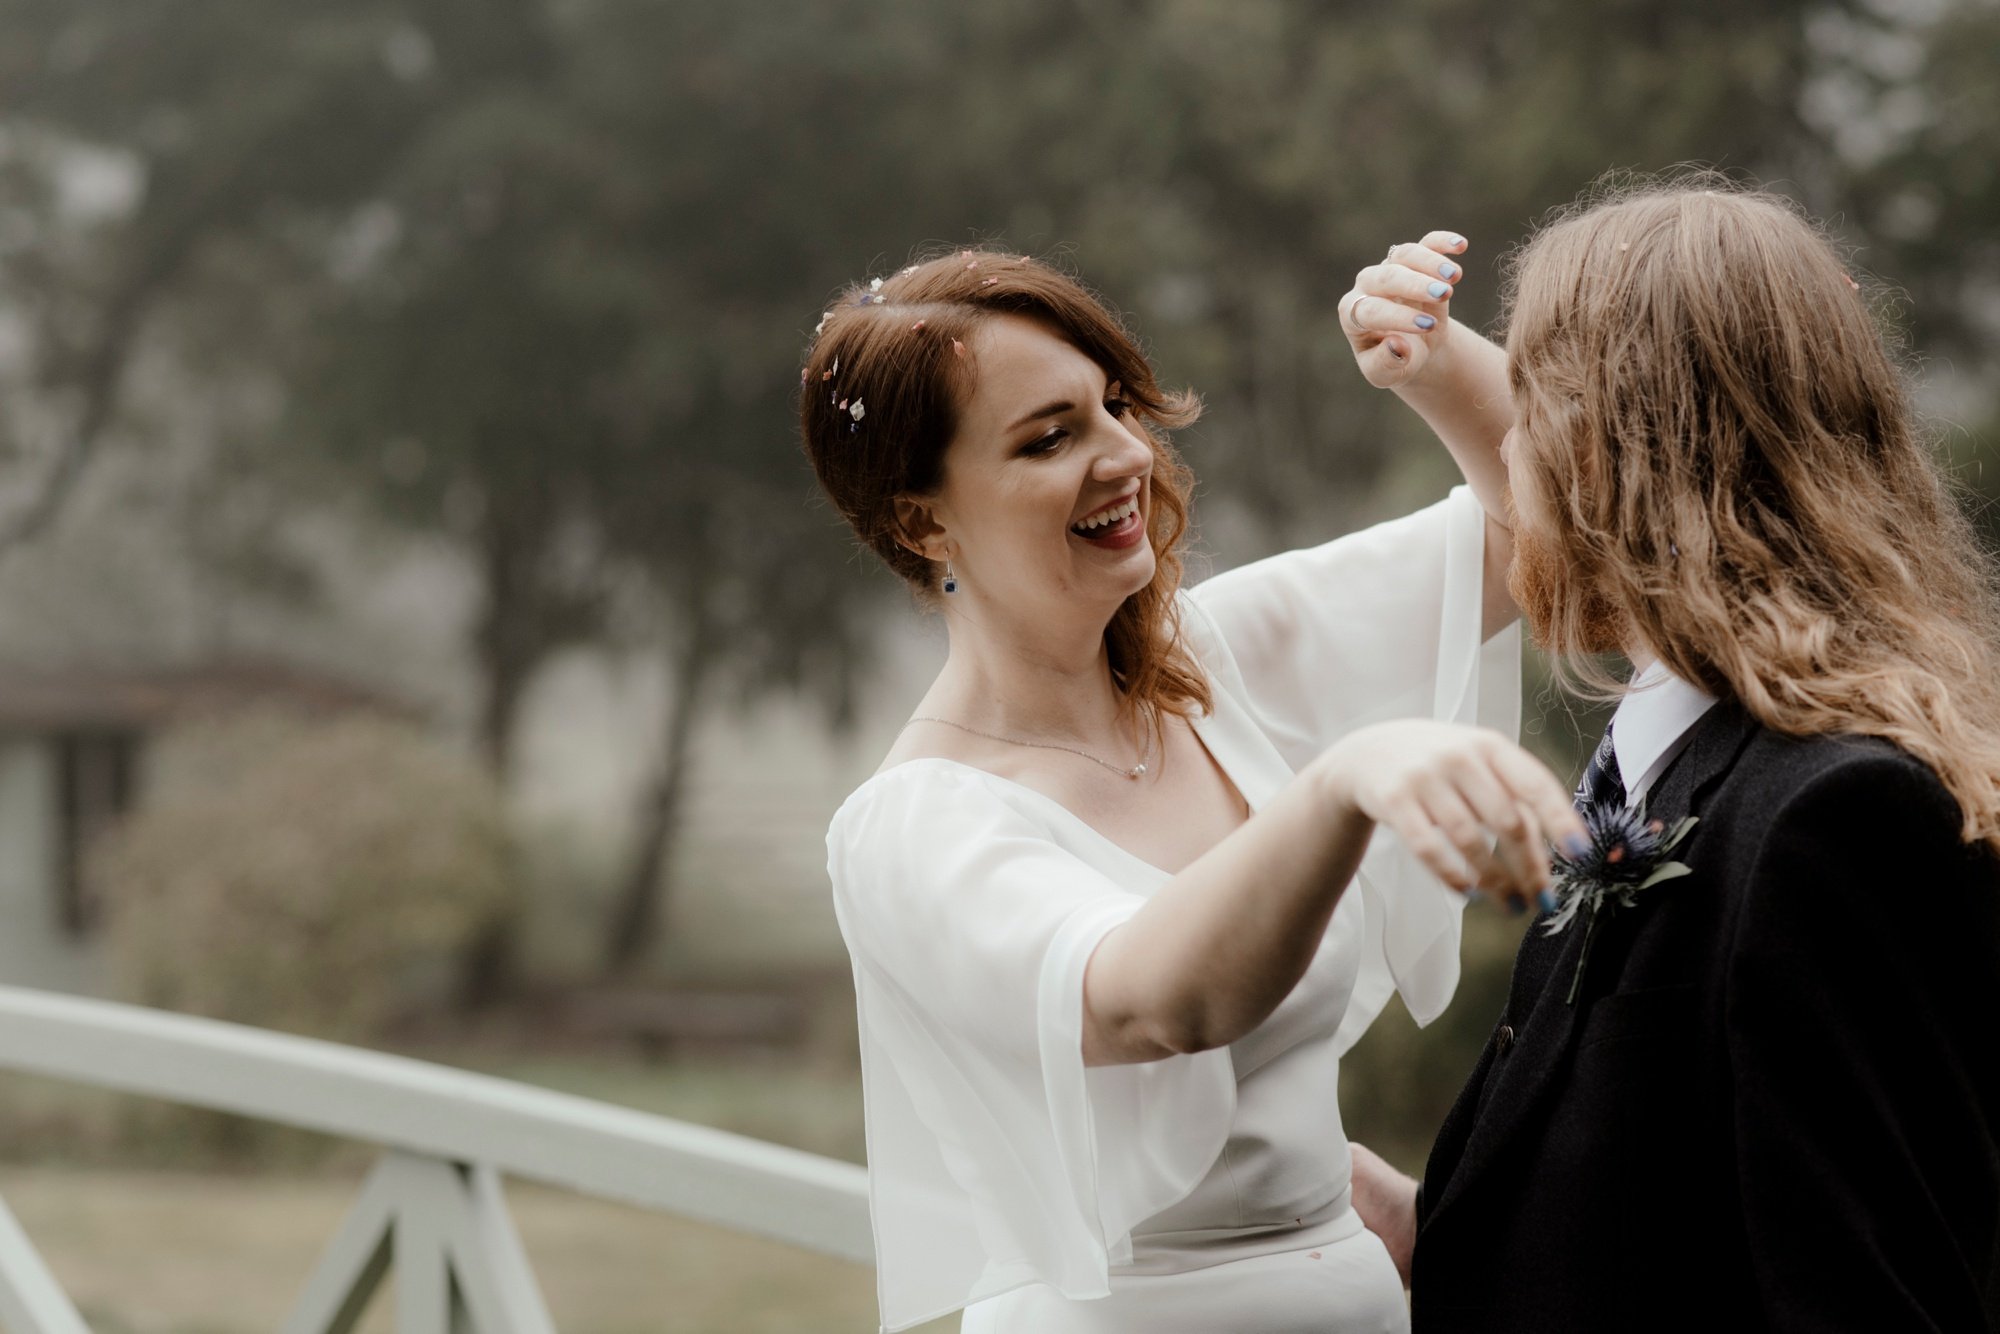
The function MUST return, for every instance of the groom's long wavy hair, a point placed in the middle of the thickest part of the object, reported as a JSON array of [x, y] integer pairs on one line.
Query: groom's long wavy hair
[[1723, 453]]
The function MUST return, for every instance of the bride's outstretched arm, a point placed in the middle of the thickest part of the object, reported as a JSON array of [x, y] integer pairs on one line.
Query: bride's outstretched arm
[[1398, 320], [1212, 952]]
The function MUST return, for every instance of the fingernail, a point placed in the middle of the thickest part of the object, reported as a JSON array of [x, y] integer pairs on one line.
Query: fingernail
[[1457, 241], [1549, 901], [1395, 348], [1448, 270], [1426, 322], [1440, 290], [1475, 893], [1575, 845]]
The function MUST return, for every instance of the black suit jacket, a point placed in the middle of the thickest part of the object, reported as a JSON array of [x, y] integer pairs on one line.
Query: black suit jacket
[[1775, 1103]]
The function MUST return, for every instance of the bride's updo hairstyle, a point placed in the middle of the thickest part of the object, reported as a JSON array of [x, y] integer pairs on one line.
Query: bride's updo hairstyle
[[1729, 465], [878, 403]]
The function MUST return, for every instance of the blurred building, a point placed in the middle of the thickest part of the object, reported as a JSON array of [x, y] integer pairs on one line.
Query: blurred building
[[72, 761]]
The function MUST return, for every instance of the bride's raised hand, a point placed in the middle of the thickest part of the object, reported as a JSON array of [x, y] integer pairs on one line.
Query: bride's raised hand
[[1397, 316], [1475, 808]]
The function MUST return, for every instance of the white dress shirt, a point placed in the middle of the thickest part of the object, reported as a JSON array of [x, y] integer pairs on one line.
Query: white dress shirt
[[1653, 724]]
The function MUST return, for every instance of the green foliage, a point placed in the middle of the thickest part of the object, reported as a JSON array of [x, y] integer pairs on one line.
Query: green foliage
[[535, 275], [318, 876]]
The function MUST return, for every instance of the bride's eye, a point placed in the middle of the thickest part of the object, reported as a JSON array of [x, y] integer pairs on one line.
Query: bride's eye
[[1045, 444], [1117, 405]]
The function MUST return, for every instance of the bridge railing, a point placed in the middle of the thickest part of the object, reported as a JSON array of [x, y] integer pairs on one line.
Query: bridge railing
[[433, 1205]]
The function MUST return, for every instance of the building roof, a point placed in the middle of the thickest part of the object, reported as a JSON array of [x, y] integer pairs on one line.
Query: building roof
[[43, 700]]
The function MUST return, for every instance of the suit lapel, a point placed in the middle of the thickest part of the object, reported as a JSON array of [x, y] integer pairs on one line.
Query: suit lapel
[[1544, 1026]]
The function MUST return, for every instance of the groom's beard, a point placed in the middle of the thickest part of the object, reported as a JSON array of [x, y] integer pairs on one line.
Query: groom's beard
[[1545, 587]]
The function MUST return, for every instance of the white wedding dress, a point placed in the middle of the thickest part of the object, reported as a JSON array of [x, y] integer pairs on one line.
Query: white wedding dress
[[1202, 1193]]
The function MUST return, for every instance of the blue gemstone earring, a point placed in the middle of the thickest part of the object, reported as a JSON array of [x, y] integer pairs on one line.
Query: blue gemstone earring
[[950, 579]]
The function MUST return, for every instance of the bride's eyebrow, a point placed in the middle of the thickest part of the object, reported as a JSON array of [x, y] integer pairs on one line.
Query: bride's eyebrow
[[1052, 409]]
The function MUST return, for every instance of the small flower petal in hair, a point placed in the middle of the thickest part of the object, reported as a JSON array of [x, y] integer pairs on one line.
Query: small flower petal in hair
[[957, 348], [907, 272], [856, 411], [821, 326], [874, 284]]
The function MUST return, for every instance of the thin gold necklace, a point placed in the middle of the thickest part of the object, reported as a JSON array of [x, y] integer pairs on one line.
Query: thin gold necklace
[[1137, 771]]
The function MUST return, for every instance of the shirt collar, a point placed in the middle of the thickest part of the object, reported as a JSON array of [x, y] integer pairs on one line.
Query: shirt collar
[[1658, 710]]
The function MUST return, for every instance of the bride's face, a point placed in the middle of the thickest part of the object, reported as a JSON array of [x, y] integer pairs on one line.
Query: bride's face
[[1046, 492]]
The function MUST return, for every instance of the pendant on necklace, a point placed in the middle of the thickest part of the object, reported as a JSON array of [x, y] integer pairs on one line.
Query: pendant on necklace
[[1136, 771]]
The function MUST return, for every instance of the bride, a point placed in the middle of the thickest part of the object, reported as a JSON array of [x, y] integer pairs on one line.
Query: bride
[[1114, 899]]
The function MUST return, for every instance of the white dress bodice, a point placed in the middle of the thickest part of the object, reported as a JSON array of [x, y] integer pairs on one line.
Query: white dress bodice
[[1006, 1174]]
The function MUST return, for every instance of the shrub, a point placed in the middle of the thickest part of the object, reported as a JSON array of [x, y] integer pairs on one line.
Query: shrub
[[319, 875]]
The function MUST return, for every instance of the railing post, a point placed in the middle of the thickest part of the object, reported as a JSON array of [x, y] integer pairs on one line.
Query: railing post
[[31, 1301], [460, 1265]]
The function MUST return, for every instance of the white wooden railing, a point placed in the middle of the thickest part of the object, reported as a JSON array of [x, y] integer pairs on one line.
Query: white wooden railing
[[432, 1206]]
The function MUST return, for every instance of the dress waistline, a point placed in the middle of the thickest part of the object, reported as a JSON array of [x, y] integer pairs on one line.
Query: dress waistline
[[1198, 1248]]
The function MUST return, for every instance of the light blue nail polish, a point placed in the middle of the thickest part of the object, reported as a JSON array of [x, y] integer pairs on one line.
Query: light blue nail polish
[[1516, 907], [1475, 893], [1549, 901], [1440, 290], [1448, 270], [1575, 845], [1458, 240], [1426, 322]]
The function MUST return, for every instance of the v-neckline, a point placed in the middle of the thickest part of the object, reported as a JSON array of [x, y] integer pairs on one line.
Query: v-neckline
[[1199, 725]]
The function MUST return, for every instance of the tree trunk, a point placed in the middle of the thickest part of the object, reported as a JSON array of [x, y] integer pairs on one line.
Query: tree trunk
[[505, 642], [509, 647], [635, 916]]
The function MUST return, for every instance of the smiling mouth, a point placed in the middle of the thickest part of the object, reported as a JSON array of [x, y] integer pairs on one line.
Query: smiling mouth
[[1110, 519]]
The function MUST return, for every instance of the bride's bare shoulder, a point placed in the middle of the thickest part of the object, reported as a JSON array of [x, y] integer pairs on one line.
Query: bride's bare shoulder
[[922, 739]]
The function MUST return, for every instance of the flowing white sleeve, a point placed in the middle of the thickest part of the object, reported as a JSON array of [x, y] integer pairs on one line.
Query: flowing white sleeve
[[1383, 623], [995, 1158]]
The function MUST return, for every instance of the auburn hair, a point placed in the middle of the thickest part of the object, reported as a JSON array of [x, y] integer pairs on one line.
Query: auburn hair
[[878, 404], [1724, 449]]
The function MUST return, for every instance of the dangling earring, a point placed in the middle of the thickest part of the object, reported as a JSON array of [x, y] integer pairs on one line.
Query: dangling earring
[[950, 579]]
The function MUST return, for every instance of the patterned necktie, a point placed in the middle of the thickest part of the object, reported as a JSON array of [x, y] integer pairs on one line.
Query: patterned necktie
[[1602, 784]]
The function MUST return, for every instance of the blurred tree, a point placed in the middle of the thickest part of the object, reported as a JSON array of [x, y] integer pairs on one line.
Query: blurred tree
[[535, 275]]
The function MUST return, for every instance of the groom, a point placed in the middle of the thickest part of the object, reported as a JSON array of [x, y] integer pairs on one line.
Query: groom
[[1763, 1093]]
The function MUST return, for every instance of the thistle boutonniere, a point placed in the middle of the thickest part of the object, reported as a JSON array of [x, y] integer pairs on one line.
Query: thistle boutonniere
[[1627, 853]]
